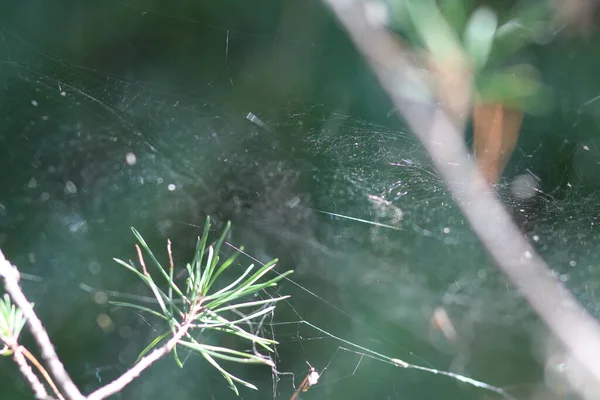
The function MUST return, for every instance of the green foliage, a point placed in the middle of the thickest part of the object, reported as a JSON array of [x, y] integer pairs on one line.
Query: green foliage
[[516, 86], [12, 321], [208, 308], [449, 28], [479, 36], [456, 12], [439, 38]]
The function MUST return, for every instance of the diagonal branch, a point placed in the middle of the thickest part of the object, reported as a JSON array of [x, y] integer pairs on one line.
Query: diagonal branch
[[34, 382], [42, 370], [443, 139]]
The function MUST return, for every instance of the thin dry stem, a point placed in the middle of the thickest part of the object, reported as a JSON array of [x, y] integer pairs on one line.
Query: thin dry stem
[[171, 264], [42, 370], [141, 258], [34, 382], [11, 284]]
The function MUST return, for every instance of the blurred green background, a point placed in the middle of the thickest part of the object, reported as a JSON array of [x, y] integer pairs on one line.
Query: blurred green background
[[155, 114]]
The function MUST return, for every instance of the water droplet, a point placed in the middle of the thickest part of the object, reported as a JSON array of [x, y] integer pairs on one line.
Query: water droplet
[[130, 159], [70, 187]]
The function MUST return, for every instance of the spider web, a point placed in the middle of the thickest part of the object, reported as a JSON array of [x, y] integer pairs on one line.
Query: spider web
[[383, 258]]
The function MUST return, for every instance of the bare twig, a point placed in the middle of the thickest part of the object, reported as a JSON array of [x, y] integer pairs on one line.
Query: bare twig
[[11, 284], [34, 382], [443, 139], [42, 370], [141, 258], [171, 264]]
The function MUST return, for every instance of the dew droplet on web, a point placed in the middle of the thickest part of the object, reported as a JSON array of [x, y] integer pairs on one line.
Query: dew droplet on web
[[70, 187], [255, 120], [293, 202], [130, 159], [523, 187]]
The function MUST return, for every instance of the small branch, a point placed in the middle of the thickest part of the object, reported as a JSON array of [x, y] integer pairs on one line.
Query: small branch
[[11, 284], [135, 371], [171, 264], [34, 382], [42, 370]]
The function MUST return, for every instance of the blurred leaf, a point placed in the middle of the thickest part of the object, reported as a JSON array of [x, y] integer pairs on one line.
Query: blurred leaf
[[439, 38], [456, 13], [514, 86], [529, 22], [510, 37], [479, 35], [399, 21], [536, 16], [541, 103]]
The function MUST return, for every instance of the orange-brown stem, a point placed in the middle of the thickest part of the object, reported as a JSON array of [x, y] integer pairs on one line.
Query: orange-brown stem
[[42, 370], [496, 129]]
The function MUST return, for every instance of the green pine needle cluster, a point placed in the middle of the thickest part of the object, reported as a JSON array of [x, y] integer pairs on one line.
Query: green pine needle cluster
[[12, 321], [197, 307]]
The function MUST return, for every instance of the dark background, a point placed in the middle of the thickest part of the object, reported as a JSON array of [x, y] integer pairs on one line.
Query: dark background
[[83, 84]]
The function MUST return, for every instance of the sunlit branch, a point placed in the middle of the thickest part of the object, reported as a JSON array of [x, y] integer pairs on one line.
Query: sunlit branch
[[11, 284], [443, 138], [42, 370], [34, 382]]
